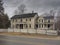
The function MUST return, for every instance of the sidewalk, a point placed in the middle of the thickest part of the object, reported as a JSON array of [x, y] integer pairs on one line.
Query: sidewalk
[[37, 36]]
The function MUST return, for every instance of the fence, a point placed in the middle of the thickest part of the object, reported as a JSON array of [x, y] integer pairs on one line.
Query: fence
[[3, 30], [38, 31]]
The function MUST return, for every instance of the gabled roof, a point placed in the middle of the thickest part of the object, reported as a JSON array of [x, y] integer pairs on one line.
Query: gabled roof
[[24, 15], [49, 17]]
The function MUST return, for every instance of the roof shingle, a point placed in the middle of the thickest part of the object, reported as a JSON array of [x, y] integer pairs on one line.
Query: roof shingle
[[24, 15], [48, 17]]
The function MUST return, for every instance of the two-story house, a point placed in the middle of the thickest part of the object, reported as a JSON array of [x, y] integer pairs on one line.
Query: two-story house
[[24, 21], [32, 21]]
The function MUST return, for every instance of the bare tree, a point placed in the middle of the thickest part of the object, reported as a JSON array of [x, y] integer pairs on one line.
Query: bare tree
[[16, 12], [58, 20], [52, 12], [57, 26], [21, 9]]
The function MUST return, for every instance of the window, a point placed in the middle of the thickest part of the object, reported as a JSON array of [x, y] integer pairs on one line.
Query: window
[[29, 25], [45, 25], [48, 25], [26, 19], [21, 20], [42, 21], [30, 19], [21, 26], [36, 25], [42, 25]]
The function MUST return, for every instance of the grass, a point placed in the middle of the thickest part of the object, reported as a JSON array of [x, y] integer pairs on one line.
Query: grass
[[27, 34]]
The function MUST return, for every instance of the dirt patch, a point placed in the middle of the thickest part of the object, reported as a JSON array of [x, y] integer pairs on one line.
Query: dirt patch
[[28, 34]]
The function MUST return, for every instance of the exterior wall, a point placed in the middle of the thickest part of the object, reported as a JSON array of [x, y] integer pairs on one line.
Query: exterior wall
[[23, 22], [13, 23], [51, 23], [34, 20], [42, 22]]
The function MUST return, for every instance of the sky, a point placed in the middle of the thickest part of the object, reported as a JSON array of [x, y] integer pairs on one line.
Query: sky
[[39, 6]]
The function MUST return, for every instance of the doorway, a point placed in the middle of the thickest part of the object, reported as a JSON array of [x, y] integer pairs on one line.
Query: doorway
[[21, 26]]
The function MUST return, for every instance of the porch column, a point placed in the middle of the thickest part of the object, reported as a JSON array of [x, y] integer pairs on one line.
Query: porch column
[[38, 25]]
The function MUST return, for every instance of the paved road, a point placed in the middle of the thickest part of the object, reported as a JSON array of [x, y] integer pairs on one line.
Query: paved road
[[18, 40]]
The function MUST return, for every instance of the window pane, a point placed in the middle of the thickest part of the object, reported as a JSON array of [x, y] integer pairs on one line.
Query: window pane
[[26, 19], [42, 20], [30, 19], [42, 25], [29, 25]]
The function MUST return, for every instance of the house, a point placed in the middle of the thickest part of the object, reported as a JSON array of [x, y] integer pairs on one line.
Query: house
[[24, 21], [32, 21], [45, 22]]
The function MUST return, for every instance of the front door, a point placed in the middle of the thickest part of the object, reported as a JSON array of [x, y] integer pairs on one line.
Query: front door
[[21, 26]]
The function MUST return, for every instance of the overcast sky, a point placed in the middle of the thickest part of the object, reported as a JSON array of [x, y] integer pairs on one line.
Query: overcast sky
[[36, 5]]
